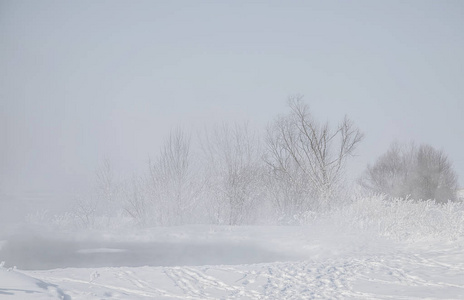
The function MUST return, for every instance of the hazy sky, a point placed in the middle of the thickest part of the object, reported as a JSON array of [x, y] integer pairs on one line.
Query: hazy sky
[[83, 80]]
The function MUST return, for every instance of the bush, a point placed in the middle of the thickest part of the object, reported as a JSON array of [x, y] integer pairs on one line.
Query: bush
[[421, 173], [400, 219]]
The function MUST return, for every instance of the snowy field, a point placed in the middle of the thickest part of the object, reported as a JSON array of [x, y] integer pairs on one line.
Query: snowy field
[[385, 256]]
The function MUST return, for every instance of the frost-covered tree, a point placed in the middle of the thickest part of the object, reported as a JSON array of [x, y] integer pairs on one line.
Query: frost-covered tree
[[172, 184], [307, 157], [103, 201], [421, 173], [232, 164], [107, 188], [85, 211], [137, 205]]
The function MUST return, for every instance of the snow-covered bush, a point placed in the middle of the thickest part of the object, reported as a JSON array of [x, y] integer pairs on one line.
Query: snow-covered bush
[[400, 219], [419, 172]]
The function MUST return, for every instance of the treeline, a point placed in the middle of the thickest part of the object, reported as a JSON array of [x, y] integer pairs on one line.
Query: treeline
[[232, 175]]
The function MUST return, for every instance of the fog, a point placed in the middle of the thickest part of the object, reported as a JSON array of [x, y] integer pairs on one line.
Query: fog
[[32, 252], [203, 150], [86, 81]]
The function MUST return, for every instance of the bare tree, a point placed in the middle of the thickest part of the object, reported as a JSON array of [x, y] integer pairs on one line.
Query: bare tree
[[435, 178], [137, 206], [107, 188], [232, 156], [418, 172], [388, 173], [85, 209], [309, 155], [172, 181], [102, 201]]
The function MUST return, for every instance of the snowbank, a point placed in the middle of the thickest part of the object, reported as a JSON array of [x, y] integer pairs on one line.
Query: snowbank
[[16, 285]]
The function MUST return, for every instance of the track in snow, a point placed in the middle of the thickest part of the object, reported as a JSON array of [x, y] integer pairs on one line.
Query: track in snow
[[402, 275]]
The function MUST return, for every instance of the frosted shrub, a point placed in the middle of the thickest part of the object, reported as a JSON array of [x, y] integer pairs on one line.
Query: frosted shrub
[[40, 217], [422, 172], [401, 219], [69, 221]]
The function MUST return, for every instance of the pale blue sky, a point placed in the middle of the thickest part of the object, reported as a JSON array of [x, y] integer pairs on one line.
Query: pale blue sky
[[81, 80]]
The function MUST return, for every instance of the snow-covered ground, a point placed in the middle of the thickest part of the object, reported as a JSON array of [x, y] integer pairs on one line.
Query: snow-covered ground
[[321, 260]]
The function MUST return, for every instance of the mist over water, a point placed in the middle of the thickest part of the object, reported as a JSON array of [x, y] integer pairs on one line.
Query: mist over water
[[29, 252]]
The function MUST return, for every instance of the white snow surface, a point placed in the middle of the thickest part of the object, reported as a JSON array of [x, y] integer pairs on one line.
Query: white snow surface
[[332, 265], [314, 261], [18, 285]]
